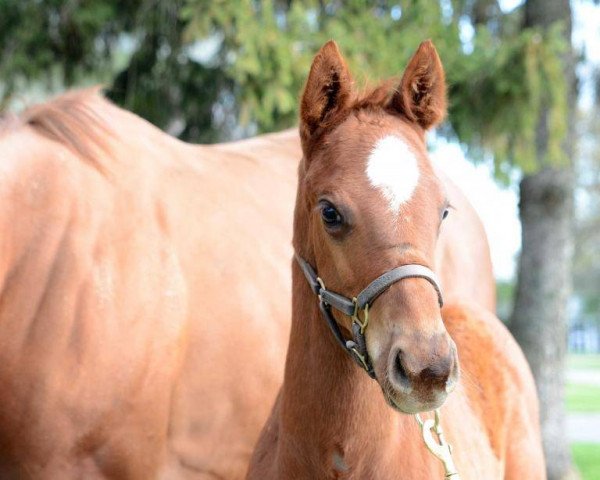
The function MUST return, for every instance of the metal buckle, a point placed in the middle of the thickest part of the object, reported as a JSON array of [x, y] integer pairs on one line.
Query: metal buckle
[[355, 318], [320, 282], [439, 448], [361, 359]]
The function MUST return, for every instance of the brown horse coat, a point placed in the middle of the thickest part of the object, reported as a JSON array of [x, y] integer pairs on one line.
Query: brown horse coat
[[144, 293], [143, 287]]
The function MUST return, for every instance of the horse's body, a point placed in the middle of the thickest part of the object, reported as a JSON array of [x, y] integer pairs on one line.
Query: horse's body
[[144, 293], [368, 204], [143, 311]]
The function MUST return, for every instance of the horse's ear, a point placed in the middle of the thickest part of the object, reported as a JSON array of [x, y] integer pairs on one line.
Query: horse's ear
[[327, 91], [421, 96]]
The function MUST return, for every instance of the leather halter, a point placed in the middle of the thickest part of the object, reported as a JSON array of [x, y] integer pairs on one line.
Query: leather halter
[[357, 348]]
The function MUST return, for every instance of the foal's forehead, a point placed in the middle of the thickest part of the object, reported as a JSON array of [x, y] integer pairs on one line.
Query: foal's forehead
[[388, 154], [364, 137]]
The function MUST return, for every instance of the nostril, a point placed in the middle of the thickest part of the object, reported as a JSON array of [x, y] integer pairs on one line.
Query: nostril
[[399, 374], [436, 375]]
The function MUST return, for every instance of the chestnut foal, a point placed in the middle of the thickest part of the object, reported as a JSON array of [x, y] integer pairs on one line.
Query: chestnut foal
[[370, 206]]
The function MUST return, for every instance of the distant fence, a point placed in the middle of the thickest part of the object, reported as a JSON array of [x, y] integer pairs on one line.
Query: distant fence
[[584, 338]]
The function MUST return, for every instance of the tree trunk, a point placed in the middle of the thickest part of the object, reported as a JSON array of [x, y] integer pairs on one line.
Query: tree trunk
[[539, 320]]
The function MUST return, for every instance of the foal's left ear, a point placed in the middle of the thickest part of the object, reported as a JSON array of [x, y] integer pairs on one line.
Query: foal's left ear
[[421, 96]]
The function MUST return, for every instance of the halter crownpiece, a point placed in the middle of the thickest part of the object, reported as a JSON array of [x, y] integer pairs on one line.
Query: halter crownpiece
[[357, 348]]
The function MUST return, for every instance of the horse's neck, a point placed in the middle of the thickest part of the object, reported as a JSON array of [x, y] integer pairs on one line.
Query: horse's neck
[[329, 407]]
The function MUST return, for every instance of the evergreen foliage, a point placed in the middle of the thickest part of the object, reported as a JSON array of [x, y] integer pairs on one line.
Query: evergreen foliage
[[153, 54]]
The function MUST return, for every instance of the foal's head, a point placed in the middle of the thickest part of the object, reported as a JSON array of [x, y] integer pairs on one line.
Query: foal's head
[[369, 201]]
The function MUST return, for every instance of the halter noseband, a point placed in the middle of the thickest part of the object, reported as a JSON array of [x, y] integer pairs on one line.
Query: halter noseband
[[357, 348]]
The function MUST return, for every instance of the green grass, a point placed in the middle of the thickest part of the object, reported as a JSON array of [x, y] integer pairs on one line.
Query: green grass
[[587, 459], [583, 398], [583, 361]]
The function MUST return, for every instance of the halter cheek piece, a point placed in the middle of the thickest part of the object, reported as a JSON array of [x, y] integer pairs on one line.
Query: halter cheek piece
[[357, 348]]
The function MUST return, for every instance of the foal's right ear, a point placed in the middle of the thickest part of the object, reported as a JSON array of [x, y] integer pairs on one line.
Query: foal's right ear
[[327, 91]]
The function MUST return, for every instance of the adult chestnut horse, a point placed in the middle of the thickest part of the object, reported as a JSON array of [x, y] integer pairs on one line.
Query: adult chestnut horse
[[368, 213], [145, 293]]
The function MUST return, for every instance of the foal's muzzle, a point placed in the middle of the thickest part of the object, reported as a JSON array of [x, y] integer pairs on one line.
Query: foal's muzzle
[[427, 378]]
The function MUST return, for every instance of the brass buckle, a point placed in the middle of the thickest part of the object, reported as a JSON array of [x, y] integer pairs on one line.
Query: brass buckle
[[440, 448], [361, 358], [355, 317]]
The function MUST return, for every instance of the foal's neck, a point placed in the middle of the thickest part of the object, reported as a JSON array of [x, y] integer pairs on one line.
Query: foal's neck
[[329, 406]]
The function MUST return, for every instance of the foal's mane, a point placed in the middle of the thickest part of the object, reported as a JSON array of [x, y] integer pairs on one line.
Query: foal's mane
[[374, 96], [71, 119], [370, 98]]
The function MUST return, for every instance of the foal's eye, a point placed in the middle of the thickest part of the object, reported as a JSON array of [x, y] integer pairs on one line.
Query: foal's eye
[[331, 217], [445, 213]]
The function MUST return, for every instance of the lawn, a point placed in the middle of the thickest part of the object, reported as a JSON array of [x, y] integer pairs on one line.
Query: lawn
[[587, 459], [583, 361], [583, 398]]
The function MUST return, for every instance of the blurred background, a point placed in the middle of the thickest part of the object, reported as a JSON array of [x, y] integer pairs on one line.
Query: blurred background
[[522, 138]]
